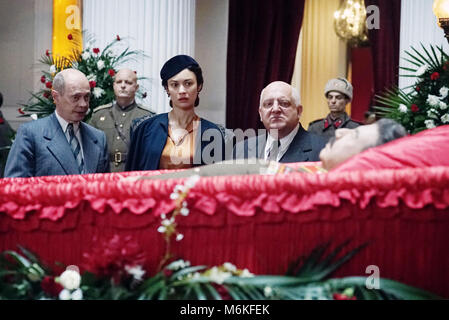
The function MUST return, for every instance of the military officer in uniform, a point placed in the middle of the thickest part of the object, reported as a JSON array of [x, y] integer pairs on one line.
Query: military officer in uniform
[[115, 118], [338, 93]]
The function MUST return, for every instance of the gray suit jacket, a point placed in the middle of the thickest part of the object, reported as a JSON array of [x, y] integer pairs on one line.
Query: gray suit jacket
[[304, 147], [41, 149]]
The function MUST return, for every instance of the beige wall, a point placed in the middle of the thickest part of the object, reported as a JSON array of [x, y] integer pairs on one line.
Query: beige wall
[[24, 37], [211, 38]]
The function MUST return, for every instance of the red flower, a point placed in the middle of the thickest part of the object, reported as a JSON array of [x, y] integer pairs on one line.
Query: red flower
[[47, 94], [418, 89], [96, 50], [144, 95], [69, 36], [414, 108], [167, 272], [109, 258], [2, 120], [111, 72], [340, 296], [49, 84], [47, 53], [435, 76], [43, 79], [51, 287], [20, 111], [92, 84], [118, 38]]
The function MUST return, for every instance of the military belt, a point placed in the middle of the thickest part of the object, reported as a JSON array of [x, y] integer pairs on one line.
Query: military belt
[[118, 157]]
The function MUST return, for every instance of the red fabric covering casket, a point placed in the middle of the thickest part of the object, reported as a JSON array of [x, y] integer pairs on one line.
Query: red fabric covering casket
[[258, 222]]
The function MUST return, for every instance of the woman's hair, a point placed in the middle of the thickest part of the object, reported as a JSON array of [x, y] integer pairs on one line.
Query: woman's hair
[[199, 80]]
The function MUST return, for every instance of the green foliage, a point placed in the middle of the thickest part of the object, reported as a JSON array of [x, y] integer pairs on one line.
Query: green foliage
[[98, 65], [425, 104], [21, 275]]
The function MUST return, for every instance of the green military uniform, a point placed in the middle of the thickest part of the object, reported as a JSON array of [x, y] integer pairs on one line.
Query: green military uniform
[[116, 122], [326, 127]]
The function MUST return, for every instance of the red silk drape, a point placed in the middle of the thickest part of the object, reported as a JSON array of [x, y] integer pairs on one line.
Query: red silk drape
[[385, 44], [262, 41], [257, 222]]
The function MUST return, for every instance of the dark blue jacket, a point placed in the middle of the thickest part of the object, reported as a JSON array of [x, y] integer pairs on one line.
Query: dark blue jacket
[[149, 137]]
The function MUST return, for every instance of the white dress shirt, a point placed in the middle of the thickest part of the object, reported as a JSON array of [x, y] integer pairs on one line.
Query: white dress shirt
[[284, 144], [76, 129]]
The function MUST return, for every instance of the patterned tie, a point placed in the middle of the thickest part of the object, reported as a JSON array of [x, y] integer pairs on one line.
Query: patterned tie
[[76, 148], [274, 151]]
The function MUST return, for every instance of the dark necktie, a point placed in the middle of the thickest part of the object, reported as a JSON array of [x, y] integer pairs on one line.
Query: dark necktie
[[274, 151], [76, 147]]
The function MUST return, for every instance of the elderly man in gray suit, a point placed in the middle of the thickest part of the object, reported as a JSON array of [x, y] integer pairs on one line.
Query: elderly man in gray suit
[[60, 144], [280, 109]]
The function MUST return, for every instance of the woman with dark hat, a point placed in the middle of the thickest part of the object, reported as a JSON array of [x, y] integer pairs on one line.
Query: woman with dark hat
[[178, 139]]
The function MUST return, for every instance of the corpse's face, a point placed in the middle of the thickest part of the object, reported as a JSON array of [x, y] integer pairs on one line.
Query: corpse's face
[[73, 104], [347, 143], [336, 102], [183, 89], [278, 111]]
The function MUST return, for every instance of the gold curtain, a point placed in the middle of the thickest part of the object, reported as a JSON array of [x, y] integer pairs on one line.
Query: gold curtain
[[323, 56], [67, 26]]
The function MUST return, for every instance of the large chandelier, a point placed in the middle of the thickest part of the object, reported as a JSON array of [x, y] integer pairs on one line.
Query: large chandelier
[[350, 22], [441, 11]]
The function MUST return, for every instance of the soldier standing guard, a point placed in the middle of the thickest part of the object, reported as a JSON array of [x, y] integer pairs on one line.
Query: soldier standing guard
[[338, 93], [115, 118]]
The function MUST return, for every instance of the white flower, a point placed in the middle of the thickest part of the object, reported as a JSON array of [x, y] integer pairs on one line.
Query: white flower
[[179, 237], [421, 70], [34, 116], [403, 108], [92, 77], [52, 68], [98, 92], [433, 100], [246, 274], [161, 229], [267, 291], [445, 118], [100, 64], [218, 276], [163, 216], [230, 267], [65, 295], [184, 211], [443, 105], [70, 279], [85, 55], [190, 183], [444, 91], [174, 196], [179, 188], [77, 294], [184, 203], [137, 272], [178, 264], [432, 113], [430, 124]]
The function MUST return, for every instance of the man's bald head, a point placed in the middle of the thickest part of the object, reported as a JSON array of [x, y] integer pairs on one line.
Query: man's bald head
[[67, 75], [125, 87]]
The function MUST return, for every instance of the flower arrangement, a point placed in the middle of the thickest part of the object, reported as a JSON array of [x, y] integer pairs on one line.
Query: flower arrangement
[[98, 65], [424, 105], [116, 269]]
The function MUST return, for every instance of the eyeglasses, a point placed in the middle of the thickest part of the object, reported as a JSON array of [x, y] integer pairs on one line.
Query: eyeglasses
[[282, 103]]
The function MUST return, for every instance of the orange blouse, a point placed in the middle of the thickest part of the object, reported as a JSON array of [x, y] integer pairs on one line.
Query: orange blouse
[[179, 154]]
